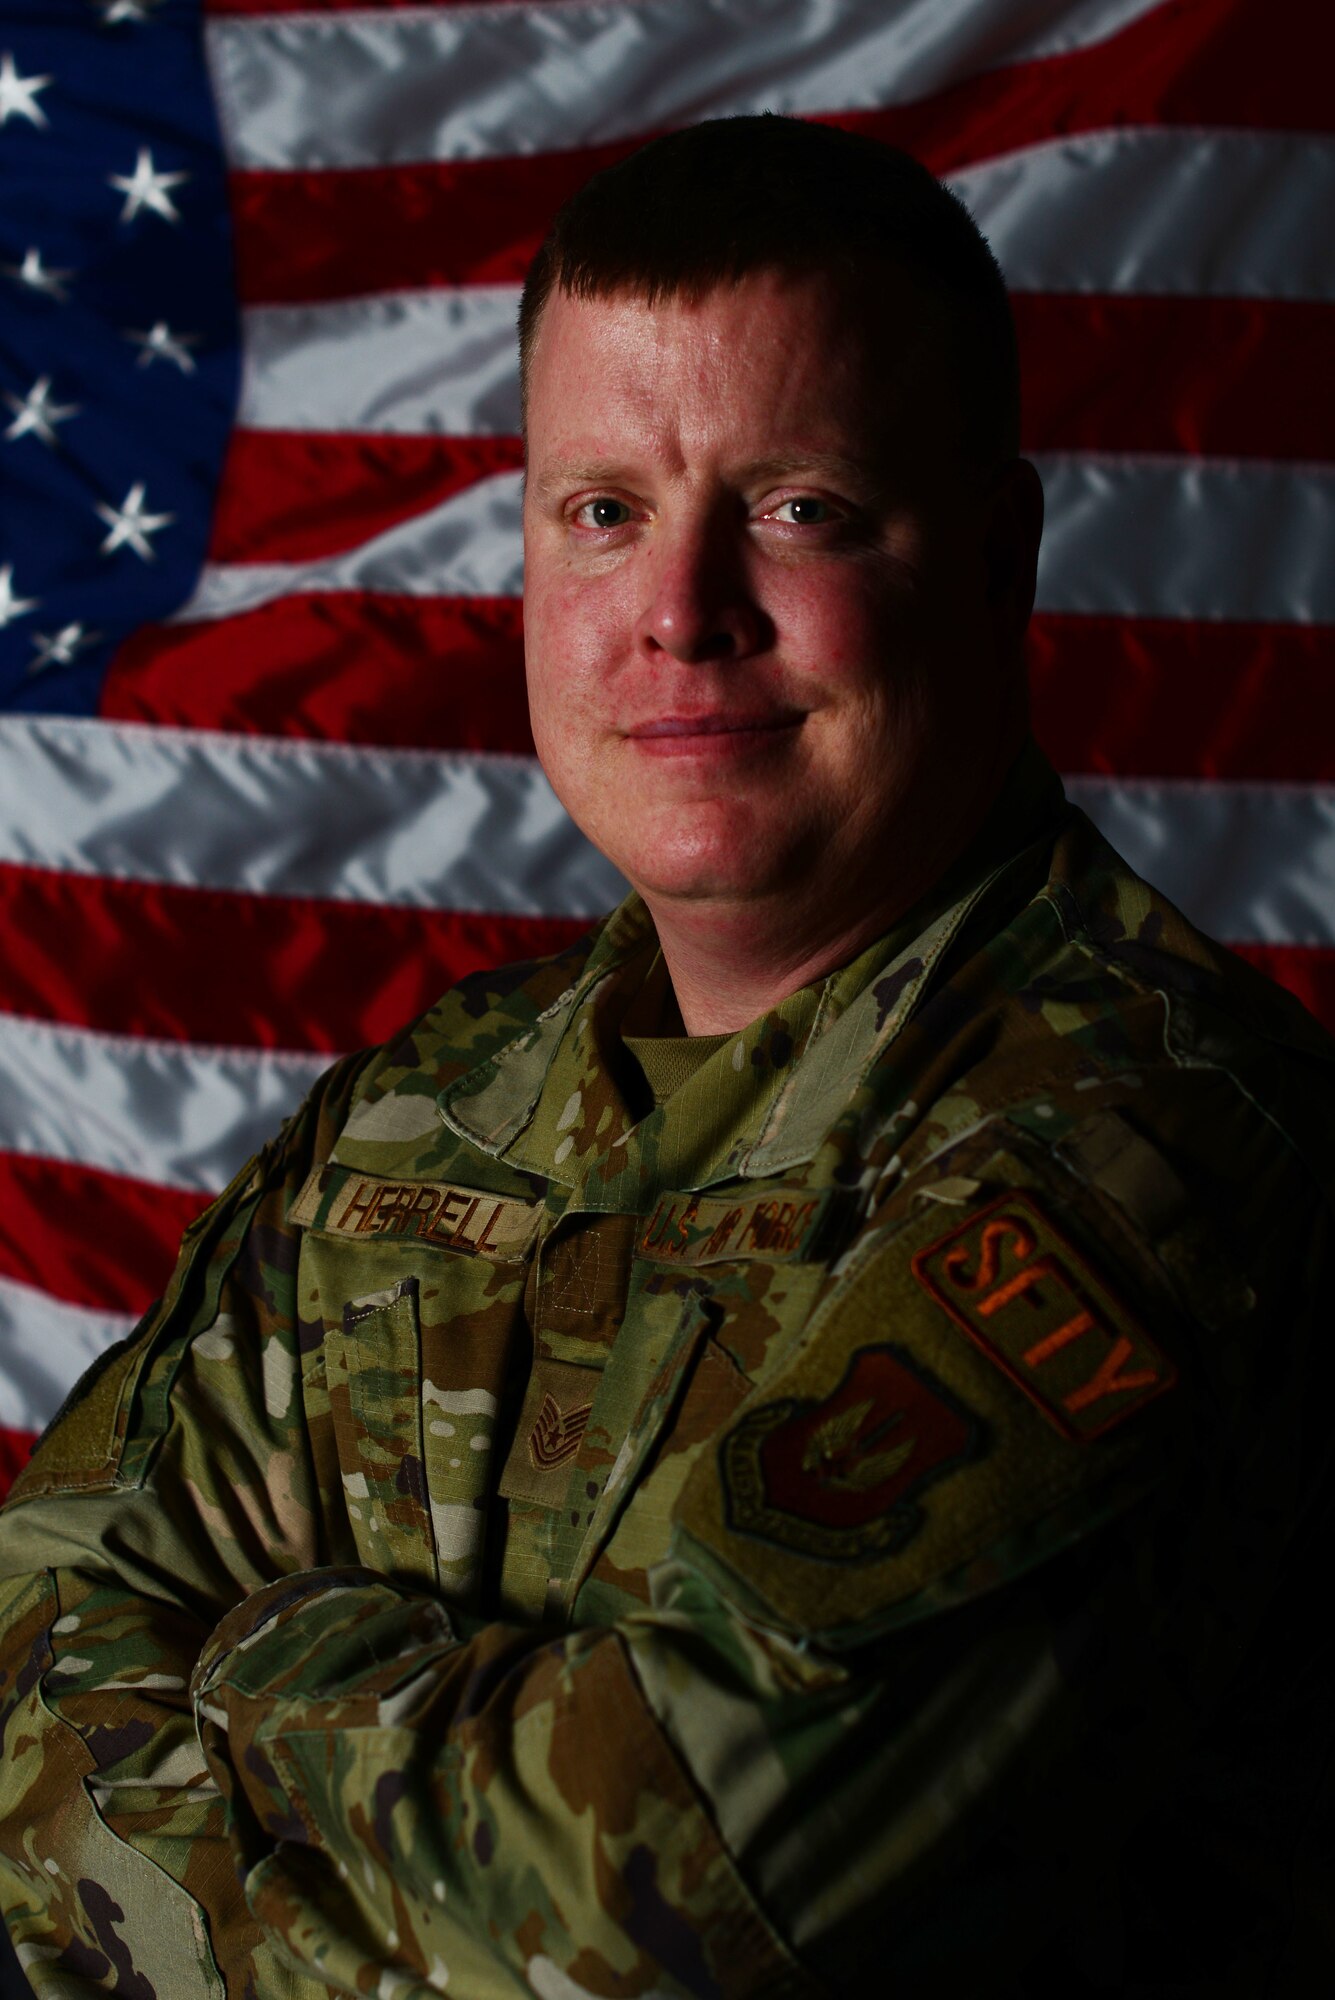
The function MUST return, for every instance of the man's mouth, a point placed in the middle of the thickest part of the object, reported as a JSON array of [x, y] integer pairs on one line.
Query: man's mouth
[[669, 728]]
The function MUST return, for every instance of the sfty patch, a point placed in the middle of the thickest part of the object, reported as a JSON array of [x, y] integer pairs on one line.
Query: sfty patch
[[838, 1479], [1032, 1303]]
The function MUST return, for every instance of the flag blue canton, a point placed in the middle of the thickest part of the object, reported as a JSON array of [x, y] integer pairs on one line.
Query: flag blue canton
[[120, 348]]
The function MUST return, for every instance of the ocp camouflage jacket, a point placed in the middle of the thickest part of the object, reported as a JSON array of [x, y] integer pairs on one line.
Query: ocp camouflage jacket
[[844, 1523]]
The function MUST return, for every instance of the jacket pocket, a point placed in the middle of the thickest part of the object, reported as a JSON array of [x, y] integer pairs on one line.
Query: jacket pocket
[[375, 1397]]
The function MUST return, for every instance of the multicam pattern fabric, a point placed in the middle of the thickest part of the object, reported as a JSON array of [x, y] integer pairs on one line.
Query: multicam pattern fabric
[[551, 1543]]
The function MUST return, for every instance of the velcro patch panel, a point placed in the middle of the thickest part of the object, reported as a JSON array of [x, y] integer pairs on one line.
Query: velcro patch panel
[[708, 1229], [552, 1423], [1036, 1307], [340, 1201], [930, 1434]]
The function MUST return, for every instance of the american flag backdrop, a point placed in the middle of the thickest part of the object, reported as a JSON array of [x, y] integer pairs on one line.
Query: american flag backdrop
[[266, 780]]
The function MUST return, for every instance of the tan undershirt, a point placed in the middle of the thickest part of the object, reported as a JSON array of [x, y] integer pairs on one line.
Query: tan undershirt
[[668, 1061]]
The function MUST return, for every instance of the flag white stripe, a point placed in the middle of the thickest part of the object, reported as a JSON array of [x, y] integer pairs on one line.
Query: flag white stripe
[[1153, 209], [169, 1112], [409, 362], [45, 1346], [1247, 863], [470, 545], [1186, 538], [283, 817], [314, 91], [1126, 536], [1144, 211]]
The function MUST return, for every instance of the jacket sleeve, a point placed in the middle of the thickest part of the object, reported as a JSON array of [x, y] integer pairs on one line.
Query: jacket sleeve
[[744, 1788], [171, 1485], [739, 1789]]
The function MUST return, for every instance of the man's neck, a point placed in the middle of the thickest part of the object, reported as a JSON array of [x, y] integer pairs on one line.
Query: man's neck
[[729, 961], [727, 966]]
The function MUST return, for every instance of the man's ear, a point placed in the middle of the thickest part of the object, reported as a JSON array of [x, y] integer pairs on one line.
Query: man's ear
[[1012, 532]]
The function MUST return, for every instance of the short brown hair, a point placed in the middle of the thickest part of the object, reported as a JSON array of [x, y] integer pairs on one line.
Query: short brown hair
[[716, 202]]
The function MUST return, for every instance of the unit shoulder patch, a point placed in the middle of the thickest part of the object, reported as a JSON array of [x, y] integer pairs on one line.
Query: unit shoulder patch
[[839, 1479], [911, 1451], [1036, 1307], [341, 1201]]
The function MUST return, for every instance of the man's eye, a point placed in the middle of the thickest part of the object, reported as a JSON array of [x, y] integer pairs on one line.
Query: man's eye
[[603, 512], [804, 510]]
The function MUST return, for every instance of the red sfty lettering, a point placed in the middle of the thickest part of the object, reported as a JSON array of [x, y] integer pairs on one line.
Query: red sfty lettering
[[1107, 1382], [1052, 1343], [956, 1262], [1029, 1274]]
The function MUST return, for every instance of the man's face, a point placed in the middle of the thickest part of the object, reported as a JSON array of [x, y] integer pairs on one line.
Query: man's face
[[771, 616]]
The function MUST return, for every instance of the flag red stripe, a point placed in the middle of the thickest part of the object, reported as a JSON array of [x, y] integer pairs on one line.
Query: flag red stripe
[[91, 1238], [317, 235], [352, 667], [339, 6], [1227, 377], [283, 972], [15, 1449], [1135, 697], [1160, 697], [294, 496], [1307, 971], [297, 496]]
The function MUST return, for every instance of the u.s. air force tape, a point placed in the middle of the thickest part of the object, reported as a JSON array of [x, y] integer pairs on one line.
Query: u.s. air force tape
[[340, 1201], [708, 1229]]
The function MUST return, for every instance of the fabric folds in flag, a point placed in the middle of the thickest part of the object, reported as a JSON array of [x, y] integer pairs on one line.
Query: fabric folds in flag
[[266, 777]]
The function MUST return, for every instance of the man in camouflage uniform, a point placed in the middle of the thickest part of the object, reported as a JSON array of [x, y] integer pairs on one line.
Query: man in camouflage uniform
[[771, 1451]]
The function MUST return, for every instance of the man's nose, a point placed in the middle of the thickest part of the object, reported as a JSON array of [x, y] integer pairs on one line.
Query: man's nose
[[700, 606]]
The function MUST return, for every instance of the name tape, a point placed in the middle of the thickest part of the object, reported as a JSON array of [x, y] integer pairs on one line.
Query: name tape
[[342, 1202]]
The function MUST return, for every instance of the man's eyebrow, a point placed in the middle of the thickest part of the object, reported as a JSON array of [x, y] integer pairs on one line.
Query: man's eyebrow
[[834, 466], [567, 476]]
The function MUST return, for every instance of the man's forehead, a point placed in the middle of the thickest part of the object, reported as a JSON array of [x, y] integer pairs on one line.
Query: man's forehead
[[772, 371]]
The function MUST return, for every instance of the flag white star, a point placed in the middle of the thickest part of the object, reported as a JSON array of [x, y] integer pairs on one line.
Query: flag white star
[[130, 525], [12, 607], [57, 649], [18, 94], [147, 188], [37, 413], [32, 273], [125, 10], [161, 344]]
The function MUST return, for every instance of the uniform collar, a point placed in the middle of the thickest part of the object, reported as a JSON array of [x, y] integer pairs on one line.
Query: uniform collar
[[549, 1102]]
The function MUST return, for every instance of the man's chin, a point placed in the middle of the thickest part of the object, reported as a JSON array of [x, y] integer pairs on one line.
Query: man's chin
[[686, 880]]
